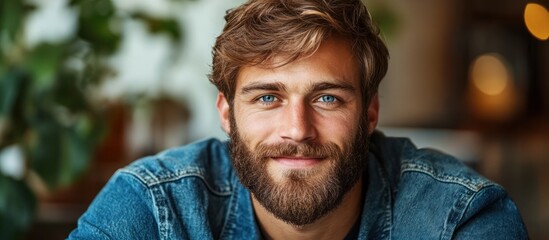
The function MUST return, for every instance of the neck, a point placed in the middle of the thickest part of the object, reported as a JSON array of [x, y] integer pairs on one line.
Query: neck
[[335, 225]]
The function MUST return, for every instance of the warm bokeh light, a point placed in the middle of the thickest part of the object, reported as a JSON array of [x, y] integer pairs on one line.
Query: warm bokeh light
[[489, 74], [493, 95], [536, 18]]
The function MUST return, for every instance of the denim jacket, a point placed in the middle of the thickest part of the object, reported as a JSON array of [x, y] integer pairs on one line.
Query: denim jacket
[[192, 192]]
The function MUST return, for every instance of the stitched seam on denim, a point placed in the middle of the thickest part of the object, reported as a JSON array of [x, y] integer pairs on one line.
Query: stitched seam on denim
[[448, 230], [226, 232], [472, 196], [146, 177], [161, 209], [469, 184], [97, 228], [149, 181], [168, 176], [143, 175], [386, 232]]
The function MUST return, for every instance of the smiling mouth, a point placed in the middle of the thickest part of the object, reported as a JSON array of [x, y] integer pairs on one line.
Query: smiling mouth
[[298, 161]]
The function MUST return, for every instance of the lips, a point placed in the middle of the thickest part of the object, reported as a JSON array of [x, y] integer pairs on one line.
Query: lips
[[297, 161]]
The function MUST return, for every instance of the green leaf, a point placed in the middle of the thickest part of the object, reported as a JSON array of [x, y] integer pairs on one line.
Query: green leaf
[[11, 18], [97, 24], [68, 93], [17, 207], [13, 86], [44, 62], [60, 154], [91, 128], [387, 21], [95, 69], [161, 25], [76, 156], [384, 17], [10, 88], [46, 148], [12, 15], [74, 2]]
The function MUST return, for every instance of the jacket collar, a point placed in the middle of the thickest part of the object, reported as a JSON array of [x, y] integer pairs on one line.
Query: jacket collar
[[240, 222]]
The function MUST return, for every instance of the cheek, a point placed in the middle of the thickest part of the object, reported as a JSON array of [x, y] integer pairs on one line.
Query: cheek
[[254, 127], [338, 128]]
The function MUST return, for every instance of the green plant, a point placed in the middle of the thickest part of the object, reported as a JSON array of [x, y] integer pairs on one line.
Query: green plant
[[45, 106], [383, 16]]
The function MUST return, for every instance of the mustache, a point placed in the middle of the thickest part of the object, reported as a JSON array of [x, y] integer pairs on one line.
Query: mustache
[[297, 149]]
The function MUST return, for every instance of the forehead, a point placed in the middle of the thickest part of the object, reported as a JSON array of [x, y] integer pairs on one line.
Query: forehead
[[332, 62]]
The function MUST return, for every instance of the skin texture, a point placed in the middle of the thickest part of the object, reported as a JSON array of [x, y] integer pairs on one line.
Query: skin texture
[[315, 100]]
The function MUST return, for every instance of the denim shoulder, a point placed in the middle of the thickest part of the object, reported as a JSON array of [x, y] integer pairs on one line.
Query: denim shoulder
[[207, 160], [176, 194], [400, 157], [453, 198], [441, 167]]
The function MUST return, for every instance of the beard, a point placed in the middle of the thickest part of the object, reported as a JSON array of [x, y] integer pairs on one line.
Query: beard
[[304, 195]]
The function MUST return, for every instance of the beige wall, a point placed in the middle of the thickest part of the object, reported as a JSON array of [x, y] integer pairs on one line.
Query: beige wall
[[421, 77]]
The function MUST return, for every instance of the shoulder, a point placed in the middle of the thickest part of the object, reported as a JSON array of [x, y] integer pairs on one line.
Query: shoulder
[[454, 199], [402, 158], [412, 170], [433, 187], [176, 194], [207, 160], [442, 168]]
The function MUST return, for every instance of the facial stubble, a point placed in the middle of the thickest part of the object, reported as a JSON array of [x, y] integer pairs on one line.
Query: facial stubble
[[303, 196]]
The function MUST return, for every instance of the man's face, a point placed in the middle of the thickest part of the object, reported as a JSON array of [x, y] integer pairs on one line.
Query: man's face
[[299, 132]]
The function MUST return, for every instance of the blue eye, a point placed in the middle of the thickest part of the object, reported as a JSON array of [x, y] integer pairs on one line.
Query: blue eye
[[327, 98], [267, 98]]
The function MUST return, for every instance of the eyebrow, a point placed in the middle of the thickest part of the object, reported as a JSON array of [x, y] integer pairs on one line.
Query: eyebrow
[[277, 86], [327, 85], [263, 86]]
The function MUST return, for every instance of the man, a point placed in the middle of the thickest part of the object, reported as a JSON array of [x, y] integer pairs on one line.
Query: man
[[298, 97]]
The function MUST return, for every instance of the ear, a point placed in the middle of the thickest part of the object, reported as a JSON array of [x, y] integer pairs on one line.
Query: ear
[[373, 113], [223, 110]]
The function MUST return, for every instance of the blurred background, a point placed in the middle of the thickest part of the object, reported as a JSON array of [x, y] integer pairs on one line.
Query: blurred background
[[88, 86]]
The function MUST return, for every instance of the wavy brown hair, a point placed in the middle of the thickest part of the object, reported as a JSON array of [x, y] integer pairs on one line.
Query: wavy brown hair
[[259, 30]]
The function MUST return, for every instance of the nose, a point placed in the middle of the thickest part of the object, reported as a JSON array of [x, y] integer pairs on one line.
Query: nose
[[297, 123]]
